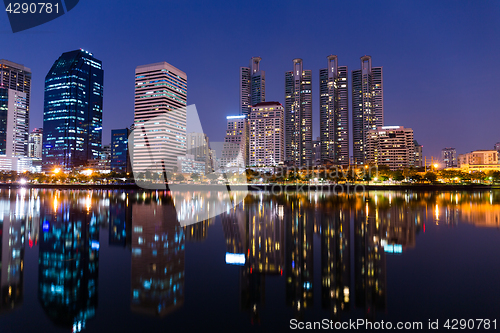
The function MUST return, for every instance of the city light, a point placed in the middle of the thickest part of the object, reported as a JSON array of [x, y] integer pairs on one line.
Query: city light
[[56, 170]]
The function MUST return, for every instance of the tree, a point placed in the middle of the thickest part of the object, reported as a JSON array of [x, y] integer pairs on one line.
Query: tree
[[430, 176], [195, 177], [180, 177], [398, 176]]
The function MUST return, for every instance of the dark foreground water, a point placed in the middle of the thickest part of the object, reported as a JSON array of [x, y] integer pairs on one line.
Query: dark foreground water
[[112, 261]]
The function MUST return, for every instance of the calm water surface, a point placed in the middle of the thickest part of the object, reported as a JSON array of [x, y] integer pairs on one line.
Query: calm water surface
[[113, 261]]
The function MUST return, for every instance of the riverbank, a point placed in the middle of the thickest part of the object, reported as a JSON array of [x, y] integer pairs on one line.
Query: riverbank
[[275, 188]]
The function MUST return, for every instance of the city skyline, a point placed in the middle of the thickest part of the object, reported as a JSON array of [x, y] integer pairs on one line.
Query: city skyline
[[437, 94]]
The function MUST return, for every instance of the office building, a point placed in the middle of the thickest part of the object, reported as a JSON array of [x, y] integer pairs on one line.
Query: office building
[[17, 77], [267, 137], [235, 148], [120, 161], [298, 115], [334, 112], [72, 114], [159, 118], [189, 164], [35, 143], [252, 86], [419, 153], [13, 122], [367, 106], [392, 146], [497, 147], [198, 146], [449, 157]]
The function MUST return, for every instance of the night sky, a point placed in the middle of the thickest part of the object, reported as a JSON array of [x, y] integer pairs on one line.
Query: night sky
[[440, 58]]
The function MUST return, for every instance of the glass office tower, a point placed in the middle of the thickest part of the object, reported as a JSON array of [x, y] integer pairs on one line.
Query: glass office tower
[[72, 115], [120, 161]]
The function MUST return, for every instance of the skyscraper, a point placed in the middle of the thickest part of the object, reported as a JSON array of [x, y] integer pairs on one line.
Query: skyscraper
[[449, 157], [72, 114], [252, 85], [35, 143], [198, 146], [13, 122], [298, 115], [17, 77], [160, 117], [266, 139], [334, 112], [367, 105], [120, 161]]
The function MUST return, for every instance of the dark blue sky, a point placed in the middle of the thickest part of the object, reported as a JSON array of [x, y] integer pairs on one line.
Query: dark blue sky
[[440, 58]]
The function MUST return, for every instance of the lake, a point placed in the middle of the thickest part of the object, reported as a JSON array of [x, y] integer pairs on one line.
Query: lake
[[121, 261]]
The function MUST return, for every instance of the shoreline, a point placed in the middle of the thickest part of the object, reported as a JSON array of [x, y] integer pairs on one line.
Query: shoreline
[[326, 188]]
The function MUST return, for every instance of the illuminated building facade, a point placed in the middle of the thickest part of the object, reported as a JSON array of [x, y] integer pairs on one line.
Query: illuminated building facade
[[72, 114], [120, 160], [419, 154], [267, 134], [18, 78], [334, 112], [35, 143], [252, 86], [367, 106], [449, 157], [298, 115], [159, 117], [235, 148], [392, 146]]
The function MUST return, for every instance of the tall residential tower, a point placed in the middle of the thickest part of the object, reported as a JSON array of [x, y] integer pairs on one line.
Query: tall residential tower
[[298, 115], [72, 113], [334, 113], [367, 105], [160, 117], [252, 86]]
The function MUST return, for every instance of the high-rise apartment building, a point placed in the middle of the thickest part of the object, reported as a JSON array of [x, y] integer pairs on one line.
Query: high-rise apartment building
[[449, 157], [267, 137], [160, 117], [334, 112], [35, 143], [17, 77], [367, 106], [419, 153], [235, 148], [72, 114], [298, 115], [392, 146], [252, 86], [120, 160]]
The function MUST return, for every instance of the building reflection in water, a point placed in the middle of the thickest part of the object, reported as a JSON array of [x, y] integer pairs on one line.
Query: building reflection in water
[[14, 215], [157, 257], [120, 221], [267, 235], [68, 258], [335, 261]]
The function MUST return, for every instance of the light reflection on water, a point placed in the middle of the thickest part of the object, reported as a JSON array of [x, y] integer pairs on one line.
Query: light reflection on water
[[267, 235]]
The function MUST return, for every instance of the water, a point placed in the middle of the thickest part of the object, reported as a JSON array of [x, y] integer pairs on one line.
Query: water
[[106, 261]]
